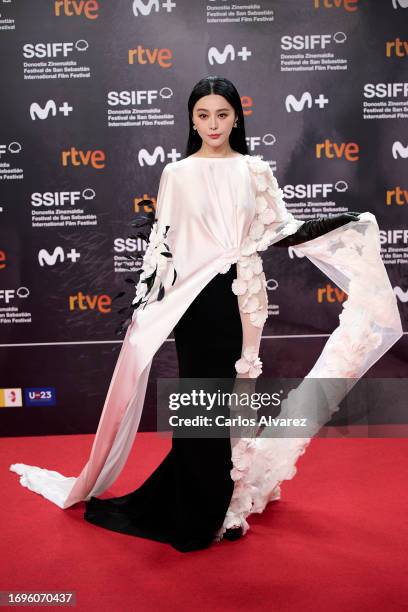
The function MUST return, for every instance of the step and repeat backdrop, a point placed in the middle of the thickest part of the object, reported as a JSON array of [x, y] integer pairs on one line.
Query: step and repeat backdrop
[[94, 104]]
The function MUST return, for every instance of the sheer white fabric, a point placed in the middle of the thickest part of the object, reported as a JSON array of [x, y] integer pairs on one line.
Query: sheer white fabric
[[369, 325]]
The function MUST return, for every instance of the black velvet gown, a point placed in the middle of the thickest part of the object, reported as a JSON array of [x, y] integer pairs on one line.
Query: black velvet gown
[[184, 501]]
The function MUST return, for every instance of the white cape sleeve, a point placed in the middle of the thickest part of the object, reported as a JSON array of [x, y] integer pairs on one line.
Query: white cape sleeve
[[369, 325]]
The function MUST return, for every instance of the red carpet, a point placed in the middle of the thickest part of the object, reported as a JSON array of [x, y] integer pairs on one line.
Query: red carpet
[[337, 540]]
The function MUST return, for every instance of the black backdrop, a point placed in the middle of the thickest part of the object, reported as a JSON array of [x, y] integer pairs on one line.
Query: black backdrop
[[93, 105]]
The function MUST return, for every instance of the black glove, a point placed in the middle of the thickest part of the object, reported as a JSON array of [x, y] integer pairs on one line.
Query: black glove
[[316, 227]]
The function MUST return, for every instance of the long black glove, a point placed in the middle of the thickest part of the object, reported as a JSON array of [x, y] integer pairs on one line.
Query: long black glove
[[316, 227]]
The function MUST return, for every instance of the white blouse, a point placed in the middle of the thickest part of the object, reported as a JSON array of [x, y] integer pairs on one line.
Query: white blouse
[[215, 212]]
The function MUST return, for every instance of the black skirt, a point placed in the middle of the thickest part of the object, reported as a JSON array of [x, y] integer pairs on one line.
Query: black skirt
[[185, 499]]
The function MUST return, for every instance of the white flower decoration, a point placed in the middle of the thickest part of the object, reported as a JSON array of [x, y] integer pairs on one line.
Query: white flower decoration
[[258, 318], [273, 186], [254, 285], [261, 204], [242, 366], [242, 454], [271, 223], [256, 264], [246, 273], [251, 304], [248, 246], [257, 163], [255, 369], [256, 230], [245, 261], [261, 182], [238, 286], [267, 239], [267, 216], [249, 362]]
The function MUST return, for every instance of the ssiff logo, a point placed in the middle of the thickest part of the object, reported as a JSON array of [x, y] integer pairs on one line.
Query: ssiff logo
[[10, 398], [39, 396]]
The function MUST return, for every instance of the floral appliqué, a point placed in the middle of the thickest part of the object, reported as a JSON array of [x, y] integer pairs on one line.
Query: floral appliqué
[[249, 363]]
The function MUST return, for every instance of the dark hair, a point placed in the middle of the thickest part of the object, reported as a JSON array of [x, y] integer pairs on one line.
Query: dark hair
[[222, 87]]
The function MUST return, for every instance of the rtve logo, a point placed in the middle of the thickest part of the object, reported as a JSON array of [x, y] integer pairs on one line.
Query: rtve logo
[[76, 157], [311, 41], [55, 49], [61, 198], [330, 150], [330, 294], [397, 48], [77, 8], [138, 207], [141, 7], [81, 301], [228, 54], [141, 55], [50, 259], [50, 108], [347, 5], [295, 104], [398, 196], [136, 98]]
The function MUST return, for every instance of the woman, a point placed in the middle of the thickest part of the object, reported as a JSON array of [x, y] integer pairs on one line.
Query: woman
[[202, 277]]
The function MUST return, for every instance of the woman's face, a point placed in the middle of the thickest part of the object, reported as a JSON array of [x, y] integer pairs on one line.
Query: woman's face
[[212, 114]]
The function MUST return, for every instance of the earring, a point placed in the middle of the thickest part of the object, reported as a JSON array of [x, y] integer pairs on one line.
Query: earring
[[235, 124], [194, 127]]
